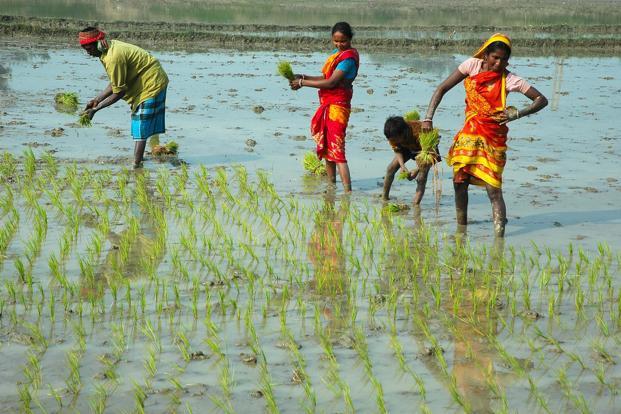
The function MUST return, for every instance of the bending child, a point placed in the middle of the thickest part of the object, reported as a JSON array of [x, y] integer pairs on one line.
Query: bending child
[[402, 136]]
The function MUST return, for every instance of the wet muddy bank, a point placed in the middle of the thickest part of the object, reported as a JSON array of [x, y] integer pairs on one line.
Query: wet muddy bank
[[603, 40]]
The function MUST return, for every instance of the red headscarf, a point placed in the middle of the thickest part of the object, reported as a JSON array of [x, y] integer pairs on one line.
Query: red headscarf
[[91, 36]]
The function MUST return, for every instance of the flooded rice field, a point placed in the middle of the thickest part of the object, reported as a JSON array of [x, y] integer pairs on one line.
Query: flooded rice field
[[227, 280]]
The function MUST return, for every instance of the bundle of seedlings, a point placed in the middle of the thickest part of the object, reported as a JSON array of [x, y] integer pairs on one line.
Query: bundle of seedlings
[[395, 207], [66, 102], [85, 120], [284, 70], [170, 148], [428, 143], [313, 164], [412, 115]]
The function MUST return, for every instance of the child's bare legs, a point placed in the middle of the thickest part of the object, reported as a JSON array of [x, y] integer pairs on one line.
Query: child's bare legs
[[391, 170], [421, 183], [499, 209]]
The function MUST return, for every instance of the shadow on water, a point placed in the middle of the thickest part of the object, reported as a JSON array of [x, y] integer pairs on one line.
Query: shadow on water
[[133, 251], [331, 281], [537, 222]]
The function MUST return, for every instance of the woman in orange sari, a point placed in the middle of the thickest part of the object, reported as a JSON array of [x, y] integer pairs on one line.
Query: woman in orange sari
[[478, 152], [328, 126]]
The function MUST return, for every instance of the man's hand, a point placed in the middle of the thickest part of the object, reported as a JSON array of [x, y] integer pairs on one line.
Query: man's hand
[[90, 113], [91, 104]]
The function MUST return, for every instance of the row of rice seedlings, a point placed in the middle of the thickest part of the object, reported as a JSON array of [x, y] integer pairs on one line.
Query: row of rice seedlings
[[428, 275]]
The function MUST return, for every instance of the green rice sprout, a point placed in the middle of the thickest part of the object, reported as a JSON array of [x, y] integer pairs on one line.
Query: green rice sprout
[[428, 142], [85, 120], [284, 70], [412, 115], [172, 147], [313, 164], [395, 208], [66, 101], [402, 175]]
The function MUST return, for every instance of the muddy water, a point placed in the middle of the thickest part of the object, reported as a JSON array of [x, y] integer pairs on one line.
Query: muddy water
[[346, 282], [560, 180]]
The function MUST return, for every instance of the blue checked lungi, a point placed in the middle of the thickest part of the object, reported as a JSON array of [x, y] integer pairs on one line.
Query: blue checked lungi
[[148, 118]]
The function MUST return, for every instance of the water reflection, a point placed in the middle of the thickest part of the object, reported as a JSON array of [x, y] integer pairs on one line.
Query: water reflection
[[5, 74], [325, 252], [475, 328], [136, 251], [13, 56], [441, 65]]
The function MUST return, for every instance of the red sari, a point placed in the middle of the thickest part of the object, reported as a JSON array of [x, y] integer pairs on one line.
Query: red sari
[[329, 124], [479, 149]]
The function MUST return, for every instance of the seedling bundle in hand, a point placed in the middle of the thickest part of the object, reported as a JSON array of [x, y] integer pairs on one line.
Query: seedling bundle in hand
[[313, 164], [284, 69], [85, 120], [428, 143]]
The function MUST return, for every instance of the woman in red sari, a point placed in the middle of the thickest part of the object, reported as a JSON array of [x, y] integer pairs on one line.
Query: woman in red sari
[[478, 152], [329, 124]]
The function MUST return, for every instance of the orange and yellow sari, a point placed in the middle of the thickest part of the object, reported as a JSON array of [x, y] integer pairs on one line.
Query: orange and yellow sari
[[479, 148], [329, 124]]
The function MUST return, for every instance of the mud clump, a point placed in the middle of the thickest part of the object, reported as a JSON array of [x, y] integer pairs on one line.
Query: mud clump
[[258, 109], [56, 132]]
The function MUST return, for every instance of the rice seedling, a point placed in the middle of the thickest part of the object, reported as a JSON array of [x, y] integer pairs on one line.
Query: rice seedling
[[412, 115], [84, 120], [234, 238], [68, 99], [284, 69], [170, 148], [313, 164], [428, 142]]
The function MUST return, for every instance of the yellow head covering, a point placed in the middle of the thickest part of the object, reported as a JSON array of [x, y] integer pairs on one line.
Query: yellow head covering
[[496, 37]]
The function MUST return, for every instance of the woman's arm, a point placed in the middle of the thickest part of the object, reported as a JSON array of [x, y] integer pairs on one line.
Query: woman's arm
[[448, 84], [319, 82], [308, 77], [539, 102]]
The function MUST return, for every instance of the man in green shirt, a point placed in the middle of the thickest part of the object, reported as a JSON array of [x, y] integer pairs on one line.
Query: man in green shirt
[[135, 76]]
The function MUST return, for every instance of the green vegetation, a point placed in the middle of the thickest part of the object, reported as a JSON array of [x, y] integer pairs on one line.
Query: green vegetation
[[313, 164], [69, 99], [402, 175], [208, 290], [285, 70], [84, 120], [428, 142], [412, 115]]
